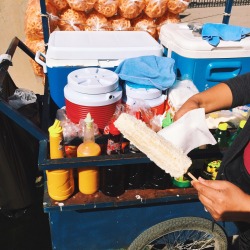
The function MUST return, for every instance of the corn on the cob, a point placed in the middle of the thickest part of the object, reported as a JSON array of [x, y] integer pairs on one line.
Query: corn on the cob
[[162, 152]]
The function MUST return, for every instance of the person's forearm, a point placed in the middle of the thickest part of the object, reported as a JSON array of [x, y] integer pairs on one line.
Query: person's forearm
[[216, 98]]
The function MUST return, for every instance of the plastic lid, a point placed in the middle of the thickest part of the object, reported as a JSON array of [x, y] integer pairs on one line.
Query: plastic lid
[[55, 129], [142, 93], [223, 126], [93, 80], [242, 123]]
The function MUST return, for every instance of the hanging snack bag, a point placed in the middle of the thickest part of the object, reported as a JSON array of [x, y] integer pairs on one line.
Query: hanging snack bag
[[119, 23], [177, 6], [155, 8], [81, 5], [72, 20], [108, 8], [60, 4], [131, 9], [97, 22]]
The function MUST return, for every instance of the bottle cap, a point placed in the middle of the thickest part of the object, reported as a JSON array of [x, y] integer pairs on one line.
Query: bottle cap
[[88, 120], [55, 129], [113, 129], [242, 123], [167, 120], [223, 126]]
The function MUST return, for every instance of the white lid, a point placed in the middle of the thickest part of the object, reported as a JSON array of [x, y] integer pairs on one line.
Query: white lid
[[93, 80], [180, 39], [151, 102], [142, 93], [92, 100], [89, 45]]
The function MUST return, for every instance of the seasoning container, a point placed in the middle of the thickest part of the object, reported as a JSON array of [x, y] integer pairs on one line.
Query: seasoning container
[[88, 177], [60, 182]]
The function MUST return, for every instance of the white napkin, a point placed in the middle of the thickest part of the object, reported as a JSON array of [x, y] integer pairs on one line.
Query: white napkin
[[189, 132]]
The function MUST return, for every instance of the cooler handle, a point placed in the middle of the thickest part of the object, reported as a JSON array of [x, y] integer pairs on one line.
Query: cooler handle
[[220, 71], [39, 61]]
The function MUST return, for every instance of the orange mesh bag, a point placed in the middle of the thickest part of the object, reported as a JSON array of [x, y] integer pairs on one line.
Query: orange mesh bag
[[81, 5], [155, 8], [145, 23], [72, 20], [34, 46], [59, 4], [33, 21], [168, 17], [96, 22], [131, 8], [119, 23], [177, 6], [106, 7]]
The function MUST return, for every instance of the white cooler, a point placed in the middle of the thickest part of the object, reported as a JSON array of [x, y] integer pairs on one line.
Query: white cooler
[[197, 60], [69, 51]]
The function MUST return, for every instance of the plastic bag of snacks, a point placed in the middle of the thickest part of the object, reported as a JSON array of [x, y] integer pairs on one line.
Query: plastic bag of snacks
[[155, 8], [72, 20], [81, 5], [59, 4], [106, 7], [177, 6], [130, 9], [145, 23], [97, 22], [34, 46], [33, 23], [120, 23]]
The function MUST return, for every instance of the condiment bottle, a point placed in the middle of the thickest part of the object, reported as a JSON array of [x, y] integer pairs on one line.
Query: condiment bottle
[[60, 182], [222, 135], [235, 134], [88, 177], [113, 177]]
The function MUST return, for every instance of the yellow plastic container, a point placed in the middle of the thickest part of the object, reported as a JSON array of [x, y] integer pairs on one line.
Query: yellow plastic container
[[60, 182], [88, 177]]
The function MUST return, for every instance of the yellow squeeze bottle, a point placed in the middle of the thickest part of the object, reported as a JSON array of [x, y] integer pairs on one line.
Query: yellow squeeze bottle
[[60, 182], [88, 177]]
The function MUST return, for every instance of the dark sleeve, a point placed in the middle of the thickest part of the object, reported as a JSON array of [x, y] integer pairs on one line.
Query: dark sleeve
[[240, 87]]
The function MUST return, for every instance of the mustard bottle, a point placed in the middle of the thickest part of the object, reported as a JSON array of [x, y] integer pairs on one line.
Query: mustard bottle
[[88, 177], [60, 182]]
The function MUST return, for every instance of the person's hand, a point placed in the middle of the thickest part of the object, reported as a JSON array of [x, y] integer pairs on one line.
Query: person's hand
[[223, 200], [186, 107]]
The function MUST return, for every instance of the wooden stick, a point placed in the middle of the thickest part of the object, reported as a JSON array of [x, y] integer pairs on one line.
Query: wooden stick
[[192, 177]]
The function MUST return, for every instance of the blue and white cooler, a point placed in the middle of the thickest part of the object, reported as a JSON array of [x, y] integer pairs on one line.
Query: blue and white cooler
[[68, 51], [197, 60]]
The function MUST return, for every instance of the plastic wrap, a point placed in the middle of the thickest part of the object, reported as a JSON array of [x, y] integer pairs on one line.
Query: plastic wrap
[[81, 5], [120, 23], [108, 8], [145, 23], [72, 20], [34, 46], [60, 4], [177, 6], [33, 23], [97, 22], [155, 8], [130, 9]]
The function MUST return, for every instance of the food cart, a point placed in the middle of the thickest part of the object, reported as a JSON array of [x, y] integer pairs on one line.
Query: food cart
[[138, 219]]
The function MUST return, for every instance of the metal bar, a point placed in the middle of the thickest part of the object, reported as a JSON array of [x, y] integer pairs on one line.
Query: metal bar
[[45, 23], [227, 12]]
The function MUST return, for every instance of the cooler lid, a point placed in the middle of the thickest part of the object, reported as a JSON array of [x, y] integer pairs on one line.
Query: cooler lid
[[180, 39], [92, 100], [142, 93], [89, 45], [93, 80]]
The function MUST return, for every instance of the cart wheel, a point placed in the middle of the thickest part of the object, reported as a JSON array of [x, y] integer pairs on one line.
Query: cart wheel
[[182, 233]]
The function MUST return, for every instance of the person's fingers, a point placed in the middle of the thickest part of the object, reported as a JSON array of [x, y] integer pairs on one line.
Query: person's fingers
[[205, 190]]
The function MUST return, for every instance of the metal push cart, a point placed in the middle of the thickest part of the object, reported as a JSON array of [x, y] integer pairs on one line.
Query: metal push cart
[[134, 220]]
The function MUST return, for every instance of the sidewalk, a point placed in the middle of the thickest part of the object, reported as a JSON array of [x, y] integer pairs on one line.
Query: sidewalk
[[239, 15]]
